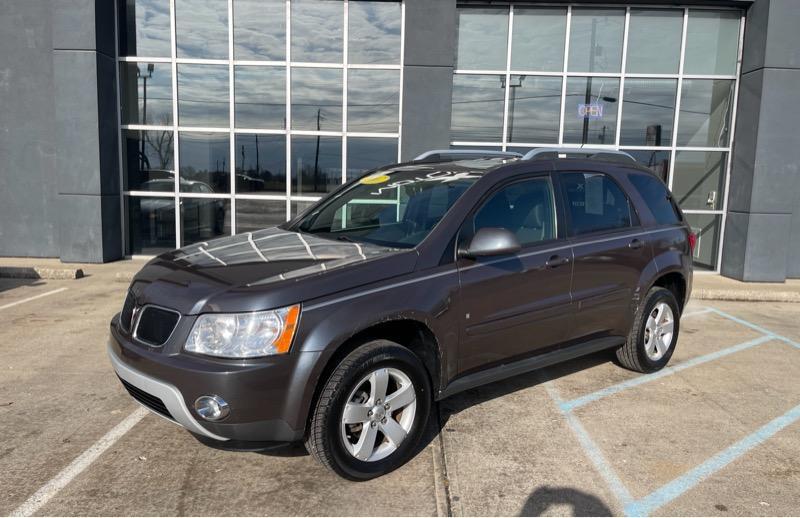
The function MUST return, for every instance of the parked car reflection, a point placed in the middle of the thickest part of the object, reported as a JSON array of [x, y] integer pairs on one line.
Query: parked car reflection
[[202, 218]]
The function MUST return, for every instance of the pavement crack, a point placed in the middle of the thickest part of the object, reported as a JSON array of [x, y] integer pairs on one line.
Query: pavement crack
[[441, 459]]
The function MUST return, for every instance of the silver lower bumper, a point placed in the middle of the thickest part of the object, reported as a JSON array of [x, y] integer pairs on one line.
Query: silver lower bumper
[[167, 393]]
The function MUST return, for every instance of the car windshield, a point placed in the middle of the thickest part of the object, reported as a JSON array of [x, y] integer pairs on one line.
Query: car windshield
[[389, 208]]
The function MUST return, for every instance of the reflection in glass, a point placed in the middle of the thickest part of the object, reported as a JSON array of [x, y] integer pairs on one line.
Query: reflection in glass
[[699, 179], [260, 97], [477, 113], [144, 28], [203, 219], [590, 112], [373, 32], [203, 95], [259, 30], [654, 41], [146, 93], [316, 164], [595, 40], [482, 38], [538, 42], [648, 111], [260, 163], [656, 161], [151, 224], [534, 104], [317, 31], [204, 162], [705, 112], [706, 227], [317, 99], [712, 42], [148, 160], [299, 206], [364, 153], [201, 28], [373, 101], [252, 215]]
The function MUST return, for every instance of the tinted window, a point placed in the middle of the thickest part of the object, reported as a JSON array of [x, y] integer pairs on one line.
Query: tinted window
[[657, 198], [525, 208], [595, 202]]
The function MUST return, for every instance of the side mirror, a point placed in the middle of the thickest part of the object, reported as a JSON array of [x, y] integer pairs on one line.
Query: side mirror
[[491, 241]]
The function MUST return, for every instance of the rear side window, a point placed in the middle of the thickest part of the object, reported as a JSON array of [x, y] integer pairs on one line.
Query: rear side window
[[657, 198], [595, 202]]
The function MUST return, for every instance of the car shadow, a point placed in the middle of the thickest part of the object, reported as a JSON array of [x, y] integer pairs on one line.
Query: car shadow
[[10, 283], [582, 503]]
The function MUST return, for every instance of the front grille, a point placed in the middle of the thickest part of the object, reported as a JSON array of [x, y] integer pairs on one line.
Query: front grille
[[126, 317], [155, 325], [148, 400]]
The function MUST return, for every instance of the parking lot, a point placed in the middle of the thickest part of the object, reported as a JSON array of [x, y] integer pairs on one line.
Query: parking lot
[[716, 433]]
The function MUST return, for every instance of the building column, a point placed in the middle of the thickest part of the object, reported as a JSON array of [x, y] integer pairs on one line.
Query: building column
[[86, 142], [762, 233]]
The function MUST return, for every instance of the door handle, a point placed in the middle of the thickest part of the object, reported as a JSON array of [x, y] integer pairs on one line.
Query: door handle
[[636, 244], [556, 260]]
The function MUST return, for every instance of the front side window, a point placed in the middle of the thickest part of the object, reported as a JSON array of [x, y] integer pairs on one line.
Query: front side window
[[657, 198], [595, 203]]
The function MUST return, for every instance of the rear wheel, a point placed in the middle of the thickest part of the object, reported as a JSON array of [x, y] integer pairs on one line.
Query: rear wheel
[[652, 339]]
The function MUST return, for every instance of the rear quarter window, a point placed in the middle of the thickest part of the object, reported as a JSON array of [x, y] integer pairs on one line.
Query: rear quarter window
[[657, 198]]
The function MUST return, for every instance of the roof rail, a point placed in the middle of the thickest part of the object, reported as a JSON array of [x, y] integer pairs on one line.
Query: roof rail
[[442, 155], [593, 153]]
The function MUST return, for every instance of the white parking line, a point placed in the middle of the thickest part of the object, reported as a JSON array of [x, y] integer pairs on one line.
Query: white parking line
[[23, 301], [76, 467]]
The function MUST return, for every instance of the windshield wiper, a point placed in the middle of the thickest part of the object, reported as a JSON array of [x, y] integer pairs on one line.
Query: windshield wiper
[[345, 238]]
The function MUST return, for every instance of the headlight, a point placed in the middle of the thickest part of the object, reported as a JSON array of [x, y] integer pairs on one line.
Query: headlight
[[244, 335]]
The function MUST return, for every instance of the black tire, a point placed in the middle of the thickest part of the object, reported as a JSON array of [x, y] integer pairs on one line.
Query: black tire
[[632, 355], [324, 440]]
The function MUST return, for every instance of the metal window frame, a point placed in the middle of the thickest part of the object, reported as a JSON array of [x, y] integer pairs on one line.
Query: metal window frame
[[503, 144], [232, 130]]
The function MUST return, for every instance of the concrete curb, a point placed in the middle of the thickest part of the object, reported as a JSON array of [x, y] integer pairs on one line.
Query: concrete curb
[[746, 295], [40, 272]]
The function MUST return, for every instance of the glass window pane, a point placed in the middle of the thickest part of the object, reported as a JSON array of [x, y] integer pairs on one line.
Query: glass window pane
[[482, 39], [373, 101], [707, 228], [655, 160], [477, 113], [374, 32], [259, 30], [260, 97], [148, 160], [201, 28], [144, 28], [317, 99], [204, 162], [656, 197], [151, 225], [595, 202], [146, 93], [525, 208], [648, 111], [316, 164], [705, 112], [260, 163], [699, 179], [203, 96], [712, 42], [252, 215], [299, 206], [654, 41], [203, 219], [590, 114], [317, 31], [534, 105], [538, 39], [595, 41], [365, 153]]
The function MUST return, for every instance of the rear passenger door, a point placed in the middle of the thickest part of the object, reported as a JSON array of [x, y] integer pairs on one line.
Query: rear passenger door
[[610, 252]]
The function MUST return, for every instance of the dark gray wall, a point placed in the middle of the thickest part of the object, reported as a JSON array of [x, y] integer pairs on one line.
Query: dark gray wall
[[762, 235], [28, 185]]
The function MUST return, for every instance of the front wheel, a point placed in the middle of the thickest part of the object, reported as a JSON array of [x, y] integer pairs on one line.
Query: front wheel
[[371, 412], [652, 339]]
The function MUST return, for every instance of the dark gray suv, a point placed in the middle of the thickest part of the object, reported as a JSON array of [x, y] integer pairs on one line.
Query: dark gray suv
[[402, 287]]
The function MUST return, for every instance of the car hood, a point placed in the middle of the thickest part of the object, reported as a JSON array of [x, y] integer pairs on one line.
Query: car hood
[[262, 270]]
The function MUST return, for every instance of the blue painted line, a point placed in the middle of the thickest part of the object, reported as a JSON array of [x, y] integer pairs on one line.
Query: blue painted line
[[756, 327], [668, 371], [685, 482], [592, 450]]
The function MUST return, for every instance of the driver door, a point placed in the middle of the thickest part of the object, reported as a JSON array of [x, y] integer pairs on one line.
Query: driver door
[[517, 304]]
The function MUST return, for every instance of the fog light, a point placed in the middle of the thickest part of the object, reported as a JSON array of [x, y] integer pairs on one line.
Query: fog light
[[212, 408]]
